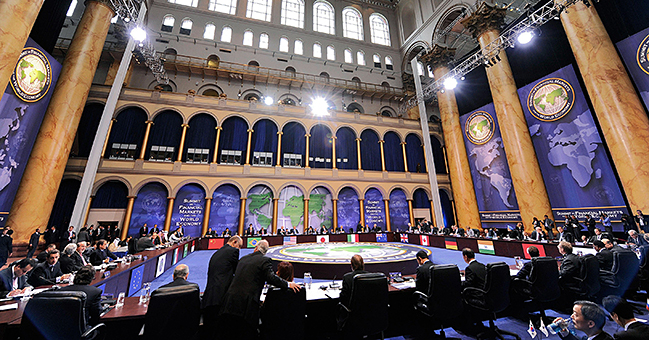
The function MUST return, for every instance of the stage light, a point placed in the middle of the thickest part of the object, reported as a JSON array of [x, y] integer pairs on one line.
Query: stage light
[[462, 78], [319, 107], [138, 34], [268, 100], [525, 37], [450, 83]]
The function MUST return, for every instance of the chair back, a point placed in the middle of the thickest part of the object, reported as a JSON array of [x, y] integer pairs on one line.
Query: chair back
[[54, 315], [625, 267], [445, 292], [545, 279], [368, 304], [173, 313], [132, 245], [589, 284], [282, 306], [497, 286]]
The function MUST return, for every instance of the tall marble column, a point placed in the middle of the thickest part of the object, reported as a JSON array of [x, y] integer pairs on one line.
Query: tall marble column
[[333, 152], [170, 209], [145, 141], [485, 24], [381, 142], [620, 112], [432, 213], [250, 131], [335, 212], [275, 213], [87, 212], [18, 17], [411, 212], [127, 217], [405, 156], [181, 148], [110, 128], [206, 215], [242, 215], [279, 148], [216, 145], [361, 202], [358, 153], [306, 213], [306, 161], [388, 225], [440, 59], [42, 177]]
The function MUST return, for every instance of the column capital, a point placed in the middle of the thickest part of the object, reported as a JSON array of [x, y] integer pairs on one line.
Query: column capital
[[280, 133], [208, 198], [251, 130], [307, 135], [131, 197], [386, 199], [306, 199], [403, 143], [218, 128], [361, 199], [243, 198], [276, 199], [439, 56], [184, 125], [334, 137], [148, 122], [381, 141], [334, 199], [485, 18], [113, 120], [171, 198], [358, 139], [107, 3], [409, 199]]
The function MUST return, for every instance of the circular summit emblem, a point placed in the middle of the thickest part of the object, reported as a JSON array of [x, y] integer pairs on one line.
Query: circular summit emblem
[[33, 75], [479, 127], [551, 99], [643, 55], [341, 252]]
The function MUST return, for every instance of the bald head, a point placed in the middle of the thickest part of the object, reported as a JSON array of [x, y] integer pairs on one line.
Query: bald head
[[181, 272], [235, 241]]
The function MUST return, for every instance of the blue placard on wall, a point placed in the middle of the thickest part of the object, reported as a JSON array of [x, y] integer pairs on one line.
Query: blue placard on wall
[[399, 213], [188, 211], [349, 211], [225, 209], [374, 209], [635, 54], [150, 207]]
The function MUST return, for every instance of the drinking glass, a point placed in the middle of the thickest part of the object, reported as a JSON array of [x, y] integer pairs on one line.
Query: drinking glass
[[307, 280], [120, 300]]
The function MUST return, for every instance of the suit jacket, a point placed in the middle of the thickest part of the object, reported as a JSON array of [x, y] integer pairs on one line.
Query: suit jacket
[[566, 236], [220, 273], [6, 281], [637, 331], [143, 243], [98, 256], [639, 240], [76, 258], [68, 265], [93, 301], [178, 282], [605, 259], [33, 240], [569, 271], [348, 284], [534, 235], [600, 336], [83, 236], [242, 298], [42, 256], [423, 277], [6, 246], [42, 275], [525, 272], [475, 274], [143, 231]]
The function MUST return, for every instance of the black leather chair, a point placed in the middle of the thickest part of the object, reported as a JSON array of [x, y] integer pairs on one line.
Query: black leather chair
[[367, 313], [643, 272], [173, 313], [542, 290], [619, 279], [280, 306], [57, 315], [443, 301], [589, 284], [494, 298]]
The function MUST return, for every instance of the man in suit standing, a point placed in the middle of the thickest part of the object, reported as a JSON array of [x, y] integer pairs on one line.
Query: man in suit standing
[[101, 254], [181, 273], [144, 230], [570, 268], [590, 223], [642, 221], [33, 242], [13, 279], [622, 313], [220, 273], [604, 256], [562, 235], [423, 272], [6, 245], [475, 273], [82, 280], [51, 235], [46, 273], [548, 224]]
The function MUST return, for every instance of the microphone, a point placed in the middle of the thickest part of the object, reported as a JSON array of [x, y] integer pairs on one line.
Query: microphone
[[53, 283], [333, 283]]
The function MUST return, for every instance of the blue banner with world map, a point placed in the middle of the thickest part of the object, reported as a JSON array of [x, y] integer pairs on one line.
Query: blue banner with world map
[[577, 172], [150, 208], [224, 212], [22, 109], [635, 54], [321, 207], [188, 210], [259, 208], [290, 208], [492, 180], [349, 210], [374, 209]]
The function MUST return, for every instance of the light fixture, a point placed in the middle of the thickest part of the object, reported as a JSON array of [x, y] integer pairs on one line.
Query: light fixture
[[462, 77], [268, 100], [450, 83], [319, 107], [138, 34], [525, 37], [114, 19]]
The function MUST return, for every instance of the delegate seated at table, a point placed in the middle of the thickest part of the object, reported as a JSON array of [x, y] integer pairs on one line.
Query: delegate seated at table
[[47, 272], [13, 279], [82, 280]]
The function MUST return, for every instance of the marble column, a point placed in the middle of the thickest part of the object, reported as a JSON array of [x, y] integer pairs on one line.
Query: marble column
[[411, 212], [127, 217], [181, 148], [87, 212], [275, 213], [440, 59], [405, 157], [206, 215], [306, 161], [485, 24], [250, 131], [216, 144], [37, 191], [381, 142], [145, 141], [279, 148], [335, 212], [170, 209], [18, 17], [432, 213], [388, 225], [358, 153], [306, 213], [242, 215], [619, 110], [110, 128], [361, 202], [333, 152]]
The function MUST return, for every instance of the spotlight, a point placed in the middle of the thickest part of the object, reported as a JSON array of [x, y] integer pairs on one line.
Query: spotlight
[[268, 100], [525, 37], [138, 34], [450, 83], [319, 107], [462, 78]]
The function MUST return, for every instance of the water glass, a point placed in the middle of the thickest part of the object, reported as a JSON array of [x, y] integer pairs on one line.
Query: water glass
[[120, 300], [308, 280], [519, 263]]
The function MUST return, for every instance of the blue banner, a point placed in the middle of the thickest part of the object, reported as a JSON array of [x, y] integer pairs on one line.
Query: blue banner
[[321, 207], [136, 280], [578, 174], [150, 208], [399, 213], [22, 109], [259, 208], [290, 208], [492, 180], [188, 211], [635, 54], [374, 209], [349, 210], [225, 209]]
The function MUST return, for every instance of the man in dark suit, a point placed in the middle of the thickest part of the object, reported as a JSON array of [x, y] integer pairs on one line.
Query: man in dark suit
[[562, 235], [13, 279], [101, 254], [42, 256], [569, 271], [636, 239], [250, 231], [599, 235], [220, 272], [423, 272], [241, 302], [145, 243], [604, 256], [82, 280], [78, 257], [33, 242], [622, 313], [69, 236], [358, 267], [6, 245], [587, 317], [538, 235], [590, 223], [46, 273], [525, 272], [181, 273], [144, 230], [475, 273], [548, 224], [155, 229], [68, 265]]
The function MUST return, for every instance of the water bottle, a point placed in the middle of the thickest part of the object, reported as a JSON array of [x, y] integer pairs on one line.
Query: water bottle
[[561, 326], [307, 280], [148, 292]]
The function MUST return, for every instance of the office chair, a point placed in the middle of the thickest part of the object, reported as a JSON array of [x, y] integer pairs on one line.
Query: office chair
[[57, 315], [173, 313], [494, 298], [619, 278], [367, 313], [589, 284], [282, 306], [443, 301], [543, 286]]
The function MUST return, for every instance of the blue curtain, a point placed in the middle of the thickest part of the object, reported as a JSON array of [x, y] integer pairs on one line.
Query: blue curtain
[[128, 128], [234, 136], [393, 152], [201, 133], [64, 204], [320, 146], [399, 212], [346, 148], [264, 137], [88, 128], [438, 155], [415, 154], [447, 209], [293, 140], [420, 199], [225, 208], [370, 151], [166, 131], [111, 195]]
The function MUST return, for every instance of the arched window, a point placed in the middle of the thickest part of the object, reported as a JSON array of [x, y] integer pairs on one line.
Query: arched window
[[259, 9], [263, 41], [248, 36], [168, 23], [388, 62], [379, 29], [352, 23], [298, 48], [186, 26], [324, 76], [290, 71], [331, 53], [210, 30], [226, 34], [283, 44], [223, 6], [192, 3], [420, 69], [377, 60], [317, 50], [349, 57], [323, 17], [360, 58], [293, 13], [213, 61], [73, 5]]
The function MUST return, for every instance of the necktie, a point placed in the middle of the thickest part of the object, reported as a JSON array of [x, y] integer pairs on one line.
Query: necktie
[[15, 283]]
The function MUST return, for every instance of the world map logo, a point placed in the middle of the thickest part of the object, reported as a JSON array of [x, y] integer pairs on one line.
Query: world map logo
[[643, 55], [479, 127], [551, 99], [32, 76]]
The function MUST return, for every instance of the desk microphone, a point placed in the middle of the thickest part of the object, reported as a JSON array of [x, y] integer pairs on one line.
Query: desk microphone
[[333, 283]]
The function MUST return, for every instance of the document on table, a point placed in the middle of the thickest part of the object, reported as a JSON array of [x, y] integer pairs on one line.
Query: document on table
[[9, 306], [404, 285]]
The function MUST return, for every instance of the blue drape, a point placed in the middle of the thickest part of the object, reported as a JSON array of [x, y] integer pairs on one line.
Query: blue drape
[[111, 195], [166, 131], [64, 204], [420, 199], [293, 140], [201, 134], [399, 212], [370, 151], [88, 127], [393, 152], [234, 136], [264, 137], [128, 128], [349, 210], [438, 155], [346, 148], [320, 146], [447, 209], [415, 154], [225, 209]]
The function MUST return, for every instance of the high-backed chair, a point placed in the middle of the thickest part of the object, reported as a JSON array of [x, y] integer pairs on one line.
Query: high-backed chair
[[57, 315], [643, 272], [282, 306], [443, 301], [589, 284], [619, 278], [173, 313], [543, 286], [367, 313], [494, 298]]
